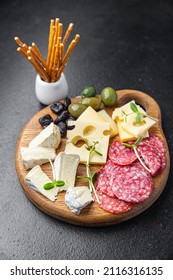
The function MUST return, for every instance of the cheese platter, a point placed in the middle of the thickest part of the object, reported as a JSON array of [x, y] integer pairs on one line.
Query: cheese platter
[[93, 215]]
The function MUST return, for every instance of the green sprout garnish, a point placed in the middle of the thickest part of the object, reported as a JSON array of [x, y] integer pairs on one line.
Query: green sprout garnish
[[134, 147]]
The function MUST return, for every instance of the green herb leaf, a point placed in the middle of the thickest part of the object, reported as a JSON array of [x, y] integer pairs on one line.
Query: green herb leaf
[[48, 186], [128, 145], [133, 107], [59, 183], [82, 177], [138, 117], [98, 153], [138, 141]]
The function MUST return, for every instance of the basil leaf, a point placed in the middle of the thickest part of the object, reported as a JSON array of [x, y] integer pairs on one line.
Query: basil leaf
[[48, 186], [133, 107]]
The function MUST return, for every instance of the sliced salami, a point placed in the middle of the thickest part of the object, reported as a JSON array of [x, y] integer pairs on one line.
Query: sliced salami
[[151, 158], [133, 186], [120, 154], [104, 184], [113, 205]]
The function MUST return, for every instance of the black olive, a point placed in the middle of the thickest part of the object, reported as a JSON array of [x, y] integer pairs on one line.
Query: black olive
[[45, 120], [57, 107], [62, 128], [67, 102], [62, 117], [70, 127]]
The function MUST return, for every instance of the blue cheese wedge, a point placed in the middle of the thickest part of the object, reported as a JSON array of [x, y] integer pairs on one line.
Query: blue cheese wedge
[[78, 198], [36, 179], [36, 156], [49, 137], [65, 166]]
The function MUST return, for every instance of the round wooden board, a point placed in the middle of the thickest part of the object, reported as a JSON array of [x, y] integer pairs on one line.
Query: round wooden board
[[92, 215]]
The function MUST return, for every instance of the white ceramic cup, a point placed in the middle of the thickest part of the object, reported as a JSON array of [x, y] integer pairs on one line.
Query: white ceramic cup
[[48, 93]]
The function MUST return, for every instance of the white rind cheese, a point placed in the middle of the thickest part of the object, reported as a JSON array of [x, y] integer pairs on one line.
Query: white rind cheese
[[65, 166], [36, 156], [78, 198], [49, 137], [36, 179]]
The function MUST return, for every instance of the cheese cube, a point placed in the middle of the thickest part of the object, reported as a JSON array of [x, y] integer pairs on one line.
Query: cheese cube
[[49, 137], [36, 156], [90, 132], [36, 179]]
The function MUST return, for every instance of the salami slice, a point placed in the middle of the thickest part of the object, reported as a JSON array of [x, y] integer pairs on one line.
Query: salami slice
[[151, 158], [104, 184], [133, 186], [113, 205], [120, 154]]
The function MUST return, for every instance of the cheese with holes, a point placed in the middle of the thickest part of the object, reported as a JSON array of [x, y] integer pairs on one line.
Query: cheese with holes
[[90, 115], [121, 112], [65, 166], [90, 132], [113, 126], [49, 137], [126, 136], [78, 198], [135, 128], [36, 179], [36, 156]]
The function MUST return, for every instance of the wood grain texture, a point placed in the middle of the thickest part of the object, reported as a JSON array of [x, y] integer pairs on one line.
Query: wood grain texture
[[92, 215]]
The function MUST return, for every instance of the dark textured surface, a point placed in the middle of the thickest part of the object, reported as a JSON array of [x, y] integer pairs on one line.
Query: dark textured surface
[[124, 44]]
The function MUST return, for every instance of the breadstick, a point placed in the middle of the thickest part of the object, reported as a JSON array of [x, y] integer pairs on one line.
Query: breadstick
[[37, 53], [60, 27], [51, 35], [38, 69], [22, 51], [67, 34], [54, 46], [70, 48], [18, 41]]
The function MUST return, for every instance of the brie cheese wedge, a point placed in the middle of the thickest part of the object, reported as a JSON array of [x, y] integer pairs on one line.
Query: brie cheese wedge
[[78, 198], [49, 137], [65, 166], [36, 179], [36, 156]]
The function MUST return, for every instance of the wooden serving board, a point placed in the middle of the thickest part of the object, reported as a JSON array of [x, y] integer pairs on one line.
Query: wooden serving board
[[92, 215]]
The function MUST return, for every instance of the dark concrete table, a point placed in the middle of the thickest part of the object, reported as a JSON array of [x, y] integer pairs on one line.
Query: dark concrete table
[[124, 44]]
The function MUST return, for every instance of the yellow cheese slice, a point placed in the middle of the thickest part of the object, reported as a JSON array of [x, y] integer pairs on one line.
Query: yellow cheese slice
[[90, 115], [126, 136], [137, 129], [113, 127], [121, 112], [90, 132]]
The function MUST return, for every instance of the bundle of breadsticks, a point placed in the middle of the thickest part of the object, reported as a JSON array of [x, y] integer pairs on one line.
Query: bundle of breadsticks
[[50, 69]]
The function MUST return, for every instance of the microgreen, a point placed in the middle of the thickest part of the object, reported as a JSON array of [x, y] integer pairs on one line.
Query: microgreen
[[54, 183], [135, 110], [89, 175], [134, 147]]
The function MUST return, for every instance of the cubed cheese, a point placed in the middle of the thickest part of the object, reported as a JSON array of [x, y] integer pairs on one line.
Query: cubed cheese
[[78, 198], [36, 156], [49, 137]]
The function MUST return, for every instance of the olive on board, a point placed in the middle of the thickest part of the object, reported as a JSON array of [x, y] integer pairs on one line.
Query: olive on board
[[62, 117], [57, 107], [76, 109], [94, 102], [88, 92], [67, 102], [45, 120], [70, 127], [63, 128], [109, 96]]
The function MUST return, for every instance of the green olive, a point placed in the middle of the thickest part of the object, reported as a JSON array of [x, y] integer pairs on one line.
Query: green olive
[[76, 109], [109, 96], [88, 92], [94, 102]]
